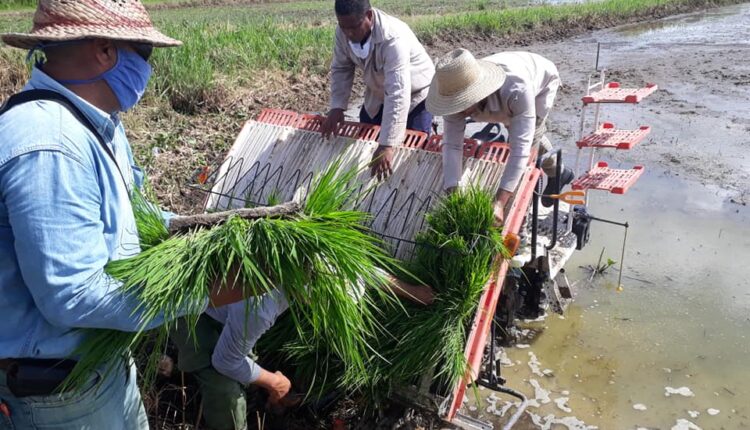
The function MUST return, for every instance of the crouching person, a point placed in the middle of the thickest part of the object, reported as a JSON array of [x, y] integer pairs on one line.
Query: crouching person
[[218, 358], [218, 355]]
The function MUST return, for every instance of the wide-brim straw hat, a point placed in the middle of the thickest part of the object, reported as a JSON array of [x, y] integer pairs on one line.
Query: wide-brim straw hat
[[64, 20], [461, 81]]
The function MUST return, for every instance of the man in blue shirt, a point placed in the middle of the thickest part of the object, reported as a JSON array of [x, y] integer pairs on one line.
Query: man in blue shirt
[[66, 170]]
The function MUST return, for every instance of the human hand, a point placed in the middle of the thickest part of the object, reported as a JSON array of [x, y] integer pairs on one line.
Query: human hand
[[381, 162], [421, 294], [501, 202], [331, 124], [499, 209], [276, 384]]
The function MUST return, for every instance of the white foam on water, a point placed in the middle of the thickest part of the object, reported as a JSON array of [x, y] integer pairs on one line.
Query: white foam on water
[[693, 414], [562, 403], [683, 424], [505, 360], [571, 423], [540, 393], [535, 365], [712, 411], [639, 407], [500, 412], [682, 391], [523, 346]]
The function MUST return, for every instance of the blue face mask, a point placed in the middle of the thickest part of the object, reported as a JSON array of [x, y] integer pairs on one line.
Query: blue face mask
[[127, 79]]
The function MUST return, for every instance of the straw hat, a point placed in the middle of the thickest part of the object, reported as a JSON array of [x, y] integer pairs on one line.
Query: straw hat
[[461, 81], [63, 20]]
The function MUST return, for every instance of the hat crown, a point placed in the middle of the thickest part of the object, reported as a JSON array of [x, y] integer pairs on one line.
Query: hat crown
[[95, 13], [456, 71]]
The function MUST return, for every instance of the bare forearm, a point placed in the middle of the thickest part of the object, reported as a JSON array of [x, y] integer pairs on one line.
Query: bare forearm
[[421, 294]]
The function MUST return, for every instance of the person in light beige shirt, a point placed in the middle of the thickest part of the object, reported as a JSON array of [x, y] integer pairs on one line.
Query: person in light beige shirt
[[516, 89], [397, 73]]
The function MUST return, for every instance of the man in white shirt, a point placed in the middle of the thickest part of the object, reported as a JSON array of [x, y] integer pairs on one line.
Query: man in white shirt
[[516, 89], [219, 359], [397, 73]]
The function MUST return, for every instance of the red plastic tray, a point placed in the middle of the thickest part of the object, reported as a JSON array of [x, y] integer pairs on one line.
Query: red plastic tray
[[310, 122], [358, 130], [494, 151], [609, 137], [281, 117], [471, 146], [613, 93], [415, 139], [354, 130], [601, 177]]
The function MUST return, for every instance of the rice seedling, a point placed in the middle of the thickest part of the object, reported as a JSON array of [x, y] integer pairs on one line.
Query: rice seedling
[[455, 256], [316, 256]]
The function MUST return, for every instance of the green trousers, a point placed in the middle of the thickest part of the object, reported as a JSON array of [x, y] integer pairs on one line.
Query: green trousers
[[224, 399]]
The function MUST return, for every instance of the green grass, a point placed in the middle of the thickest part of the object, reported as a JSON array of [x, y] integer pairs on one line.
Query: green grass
[[225, 46]]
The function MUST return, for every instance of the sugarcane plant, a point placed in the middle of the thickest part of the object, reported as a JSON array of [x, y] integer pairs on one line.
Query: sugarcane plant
[[316, 255]]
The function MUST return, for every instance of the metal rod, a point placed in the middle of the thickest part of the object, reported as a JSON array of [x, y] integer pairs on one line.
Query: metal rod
[[556, 210], [521, 408], [535, 212], [622, 256], [598, 47], [621, 224]]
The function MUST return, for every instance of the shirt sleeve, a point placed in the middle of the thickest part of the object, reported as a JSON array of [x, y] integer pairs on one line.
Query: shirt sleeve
[[397, 89], [342, 73], [54, 209], [245, 323], [453, 145], [521, 136]]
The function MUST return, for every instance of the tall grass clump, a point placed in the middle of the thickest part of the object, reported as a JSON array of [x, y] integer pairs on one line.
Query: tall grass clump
[[317, 256], [228, 53]]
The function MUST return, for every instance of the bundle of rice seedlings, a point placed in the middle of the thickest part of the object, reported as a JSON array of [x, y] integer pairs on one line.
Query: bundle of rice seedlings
[[456, 255], [316, 256]]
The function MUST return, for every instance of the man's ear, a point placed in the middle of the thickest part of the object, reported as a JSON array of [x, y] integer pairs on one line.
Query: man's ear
[[105, 54], [370, 14]]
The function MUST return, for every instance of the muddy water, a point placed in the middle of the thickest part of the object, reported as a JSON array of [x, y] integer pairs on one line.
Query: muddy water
[[671, 350]]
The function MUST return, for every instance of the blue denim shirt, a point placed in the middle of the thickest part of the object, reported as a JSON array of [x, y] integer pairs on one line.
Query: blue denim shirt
[[64, 213]]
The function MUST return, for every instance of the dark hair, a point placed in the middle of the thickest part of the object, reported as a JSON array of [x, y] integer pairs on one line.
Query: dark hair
[[352, 7]]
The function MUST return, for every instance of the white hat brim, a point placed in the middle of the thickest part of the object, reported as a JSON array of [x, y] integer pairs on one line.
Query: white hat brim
[[490, 80]]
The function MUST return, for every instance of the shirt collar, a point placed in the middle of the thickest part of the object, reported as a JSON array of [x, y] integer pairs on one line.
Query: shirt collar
[[104, 123], [378, 33]]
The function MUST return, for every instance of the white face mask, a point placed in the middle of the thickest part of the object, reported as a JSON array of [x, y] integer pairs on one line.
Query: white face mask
[[361, 51]]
